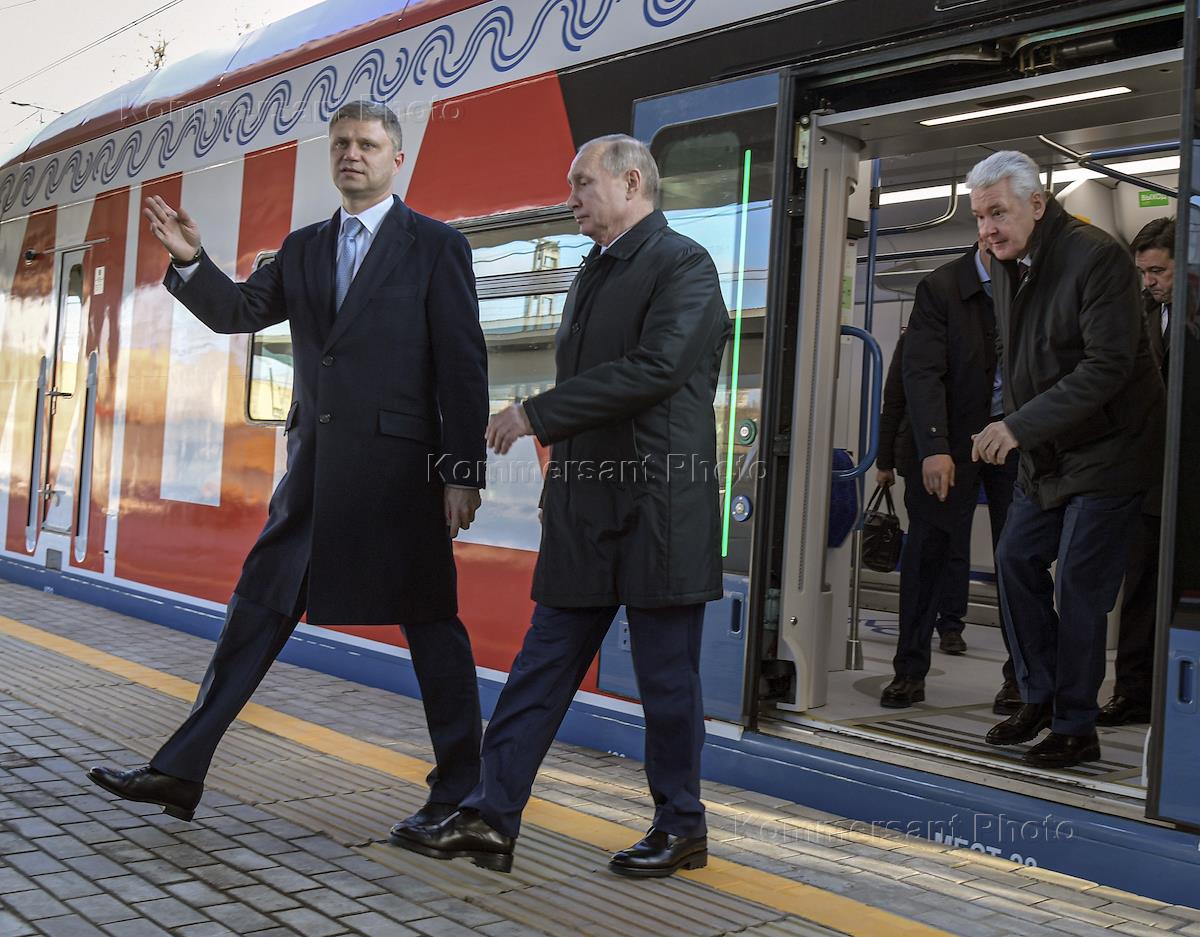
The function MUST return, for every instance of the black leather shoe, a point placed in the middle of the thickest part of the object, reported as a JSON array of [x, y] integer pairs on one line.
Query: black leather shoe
[[460, 835], [1121, 710], [430, 815], [1008, 701], [1028, 723], [902, 692], [659, 854], [1062, 751], [177, 797], [952, 643]]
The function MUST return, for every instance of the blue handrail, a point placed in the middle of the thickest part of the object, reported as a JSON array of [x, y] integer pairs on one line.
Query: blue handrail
[[876, 384]]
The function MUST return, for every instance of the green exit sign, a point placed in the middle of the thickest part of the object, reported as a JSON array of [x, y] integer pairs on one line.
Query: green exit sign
[[1148, 199]]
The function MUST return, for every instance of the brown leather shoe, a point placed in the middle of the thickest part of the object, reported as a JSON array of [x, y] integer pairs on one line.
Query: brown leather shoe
[[952, 643], [658, 854], [1028, 723], [177, 797]]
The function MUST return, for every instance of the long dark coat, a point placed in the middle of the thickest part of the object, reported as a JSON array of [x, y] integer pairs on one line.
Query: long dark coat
[[949, 367], [631, 512], [1081, 390], [389, 402]]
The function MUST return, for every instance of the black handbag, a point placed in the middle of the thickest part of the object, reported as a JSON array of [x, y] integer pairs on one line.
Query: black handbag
[[881, 535]]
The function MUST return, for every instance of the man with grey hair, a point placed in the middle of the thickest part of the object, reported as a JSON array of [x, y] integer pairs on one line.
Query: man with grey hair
[[1083, 403], [630, 516], [390, 379]]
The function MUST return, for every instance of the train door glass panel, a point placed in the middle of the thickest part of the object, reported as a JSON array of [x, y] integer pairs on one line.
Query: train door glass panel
[[271, 368], [64, 406], [717, 178], [1174, 762], [523, 271]]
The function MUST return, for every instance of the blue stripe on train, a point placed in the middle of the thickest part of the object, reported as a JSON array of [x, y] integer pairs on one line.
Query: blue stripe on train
[[1139, 857]]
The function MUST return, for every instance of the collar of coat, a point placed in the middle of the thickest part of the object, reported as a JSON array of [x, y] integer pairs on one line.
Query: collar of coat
[[629, 242], [1045, 232], [968, 276]]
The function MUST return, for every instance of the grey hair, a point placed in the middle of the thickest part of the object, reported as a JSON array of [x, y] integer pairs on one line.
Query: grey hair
[[623, 153], [1013, 165], [371, 110]]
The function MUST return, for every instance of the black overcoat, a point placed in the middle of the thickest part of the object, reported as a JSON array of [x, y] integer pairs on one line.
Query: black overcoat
[[631, 513], [949, 367], [1081, 390], [389, 402]]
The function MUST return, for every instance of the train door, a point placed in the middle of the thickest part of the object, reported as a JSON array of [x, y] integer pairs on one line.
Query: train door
[[1103, 135], [65, 399], [715, 147], [1174, 754]]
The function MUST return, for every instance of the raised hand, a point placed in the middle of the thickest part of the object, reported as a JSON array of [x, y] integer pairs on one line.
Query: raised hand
[[177, 231]]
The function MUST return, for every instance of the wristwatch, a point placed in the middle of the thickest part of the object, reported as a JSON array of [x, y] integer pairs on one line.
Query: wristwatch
[[176, 262]]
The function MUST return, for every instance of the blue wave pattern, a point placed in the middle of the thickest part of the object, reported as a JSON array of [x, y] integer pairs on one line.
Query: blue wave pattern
[[438, 61]]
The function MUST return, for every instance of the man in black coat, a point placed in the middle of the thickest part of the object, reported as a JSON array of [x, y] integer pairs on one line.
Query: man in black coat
[[1154, 253], [630, 516], [390, 381], [1084, 404], [895, 455], [950, 386]]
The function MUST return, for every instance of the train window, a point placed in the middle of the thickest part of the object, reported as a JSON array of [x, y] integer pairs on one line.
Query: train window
[[523, 273], [70, 335], [717, 179], [270, 392]]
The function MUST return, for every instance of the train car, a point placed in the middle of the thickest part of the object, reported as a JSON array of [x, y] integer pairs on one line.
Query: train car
[[817, 149]]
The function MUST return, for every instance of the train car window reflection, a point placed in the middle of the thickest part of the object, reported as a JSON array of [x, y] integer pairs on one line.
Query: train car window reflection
[[270, 391]]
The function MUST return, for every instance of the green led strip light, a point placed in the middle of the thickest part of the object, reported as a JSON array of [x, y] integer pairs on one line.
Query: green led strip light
[[737, 357]]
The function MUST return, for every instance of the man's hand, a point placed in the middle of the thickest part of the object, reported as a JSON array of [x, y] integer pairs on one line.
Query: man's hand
[[993, 444], [506, 427], [937, 472], [461, 505], [885, 478], [177, 231]]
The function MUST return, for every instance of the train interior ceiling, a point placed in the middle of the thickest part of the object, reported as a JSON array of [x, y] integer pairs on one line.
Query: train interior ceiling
[[925, 148]]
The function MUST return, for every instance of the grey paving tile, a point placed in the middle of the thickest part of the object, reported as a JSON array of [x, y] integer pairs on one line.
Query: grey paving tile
[[169, 912], [377, 925], [35, 905], [103, 909], [70, 925], [310, 922], [238, 917]]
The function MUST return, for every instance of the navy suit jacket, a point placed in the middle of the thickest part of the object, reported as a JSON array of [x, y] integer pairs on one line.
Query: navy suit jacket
[[390, 401]]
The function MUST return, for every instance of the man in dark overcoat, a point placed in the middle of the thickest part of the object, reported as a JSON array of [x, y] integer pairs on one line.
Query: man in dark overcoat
[[1084, 404], [630, 516], [390, 381], [1154, 254], [951, 391]]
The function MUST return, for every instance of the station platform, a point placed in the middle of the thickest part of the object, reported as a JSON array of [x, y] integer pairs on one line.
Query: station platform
[[291, 835]]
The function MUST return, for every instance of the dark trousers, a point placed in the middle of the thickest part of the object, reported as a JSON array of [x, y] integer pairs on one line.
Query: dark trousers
[[956, 584], [1135, 644], [558, 650], [935, 532], [1057, 626], [252, 638]]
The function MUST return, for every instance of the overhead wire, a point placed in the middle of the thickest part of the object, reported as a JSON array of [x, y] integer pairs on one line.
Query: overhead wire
[[91, 45]]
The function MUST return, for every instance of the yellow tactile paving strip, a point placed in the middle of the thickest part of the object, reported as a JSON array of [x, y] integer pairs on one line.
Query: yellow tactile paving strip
[[773, 891]]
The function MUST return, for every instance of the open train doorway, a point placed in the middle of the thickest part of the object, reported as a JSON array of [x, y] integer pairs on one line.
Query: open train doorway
[[1125, 116]]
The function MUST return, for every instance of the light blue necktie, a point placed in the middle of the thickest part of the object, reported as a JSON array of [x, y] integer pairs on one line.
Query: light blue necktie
[[347, 255]]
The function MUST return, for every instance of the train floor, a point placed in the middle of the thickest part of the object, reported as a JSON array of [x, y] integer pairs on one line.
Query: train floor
[[957, 710], [291, 835]]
